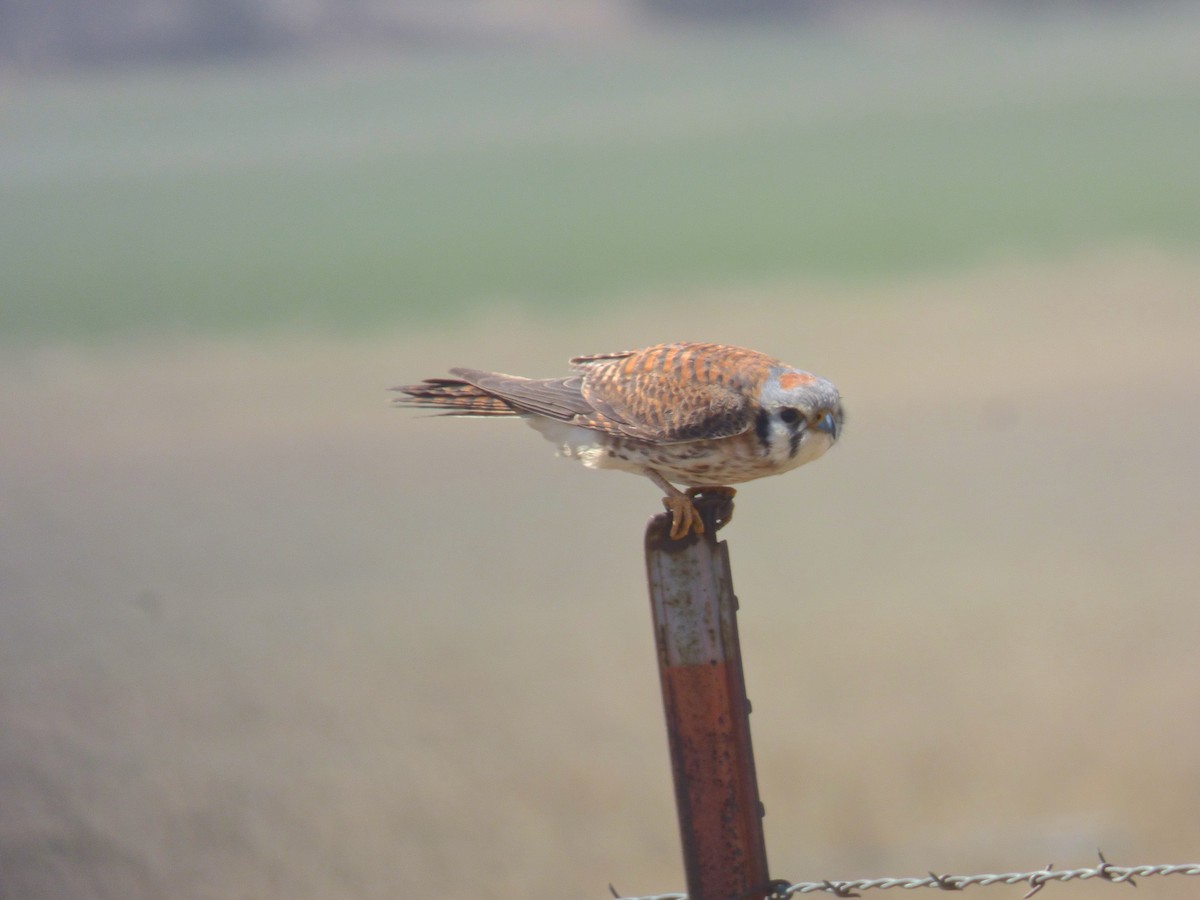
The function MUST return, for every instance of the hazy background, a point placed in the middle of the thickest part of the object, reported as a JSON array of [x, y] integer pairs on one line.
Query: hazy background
[[262, 636]]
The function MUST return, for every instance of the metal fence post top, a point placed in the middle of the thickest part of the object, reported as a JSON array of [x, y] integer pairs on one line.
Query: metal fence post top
[[715, 510]]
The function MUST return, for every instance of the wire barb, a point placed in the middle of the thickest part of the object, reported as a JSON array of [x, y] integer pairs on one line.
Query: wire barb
[[1037, 881], [840, 889], [1105, 871], [945, 882]]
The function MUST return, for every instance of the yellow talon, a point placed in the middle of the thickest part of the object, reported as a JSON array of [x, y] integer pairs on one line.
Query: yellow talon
[[685, 517]]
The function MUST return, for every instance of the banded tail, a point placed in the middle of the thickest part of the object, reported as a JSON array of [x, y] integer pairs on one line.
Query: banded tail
[[478, 393], [454, 398]]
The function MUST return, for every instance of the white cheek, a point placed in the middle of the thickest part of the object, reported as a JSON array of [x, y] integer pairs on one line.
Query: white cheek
[[812, 445]]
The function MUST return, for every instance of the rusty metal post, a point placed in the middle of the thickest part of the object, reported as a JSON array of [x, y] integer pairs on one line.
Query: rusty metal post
[[708, 715]]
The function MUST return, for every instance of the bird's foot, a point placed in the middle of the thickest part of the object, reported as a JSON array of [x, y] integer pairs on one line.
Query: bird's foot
[[685, 515], [685, 518]]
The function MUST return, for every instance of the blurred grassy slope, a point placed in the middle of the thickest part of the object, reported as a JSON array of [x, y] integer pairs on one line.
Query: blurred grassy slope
[[371, 193]]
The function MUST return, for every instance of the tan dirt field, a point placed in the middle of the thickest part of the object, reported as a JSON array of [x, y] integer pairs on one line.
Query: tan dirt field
[[263, 637]]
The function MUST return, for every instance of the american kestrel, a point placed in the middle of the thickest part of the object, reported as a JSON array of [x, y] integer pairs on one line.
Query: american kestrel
[[701, 415]]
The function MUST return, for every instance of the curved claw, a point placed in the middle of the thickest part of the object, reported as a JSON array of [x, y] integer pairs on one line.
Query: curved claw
[[685, 518]]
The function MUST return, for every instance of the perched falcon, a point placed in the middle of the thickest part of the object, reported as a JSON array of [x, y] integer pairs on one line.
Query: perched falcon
[[701, 415]]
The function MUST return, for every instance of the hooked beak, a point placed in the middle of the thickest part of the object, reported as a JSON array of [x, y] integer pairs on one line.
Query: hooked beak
[[828, 424]]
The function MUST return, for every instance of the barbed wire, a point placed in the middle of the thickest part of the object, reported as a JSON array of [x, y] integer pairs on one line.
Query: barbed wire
[[1036, 881]]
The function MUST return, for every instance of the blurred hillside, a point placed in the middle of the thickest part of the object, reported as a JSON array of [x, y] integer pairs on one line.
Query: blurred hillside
[[86, 33], [90, 32]]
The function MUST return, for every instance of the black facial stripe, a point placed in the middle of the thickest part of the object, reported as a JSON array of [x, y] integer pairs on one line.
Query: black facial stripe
[[794, 445], [762, 428]]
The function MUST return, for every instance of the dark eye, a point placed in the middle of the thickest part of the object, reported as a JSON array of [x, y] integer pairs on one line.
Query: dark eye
[[789, 416]]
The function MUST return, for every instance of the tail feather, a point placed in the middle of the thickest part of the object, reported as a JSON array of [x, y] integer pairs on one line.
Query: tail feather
[[455, 397]]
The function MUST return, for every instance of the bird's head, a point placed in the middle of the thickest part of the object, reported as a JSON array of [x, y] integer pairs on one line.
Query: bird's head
[[799, 416]]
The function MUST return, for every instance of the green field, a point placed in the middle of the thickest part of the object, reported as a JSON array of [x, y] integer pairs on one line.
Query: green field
[[354, 195]]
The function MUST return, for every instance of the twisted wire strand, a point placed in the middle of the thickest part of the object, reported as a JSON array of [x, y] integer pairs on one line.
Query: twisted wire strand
[[1036, 880]]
